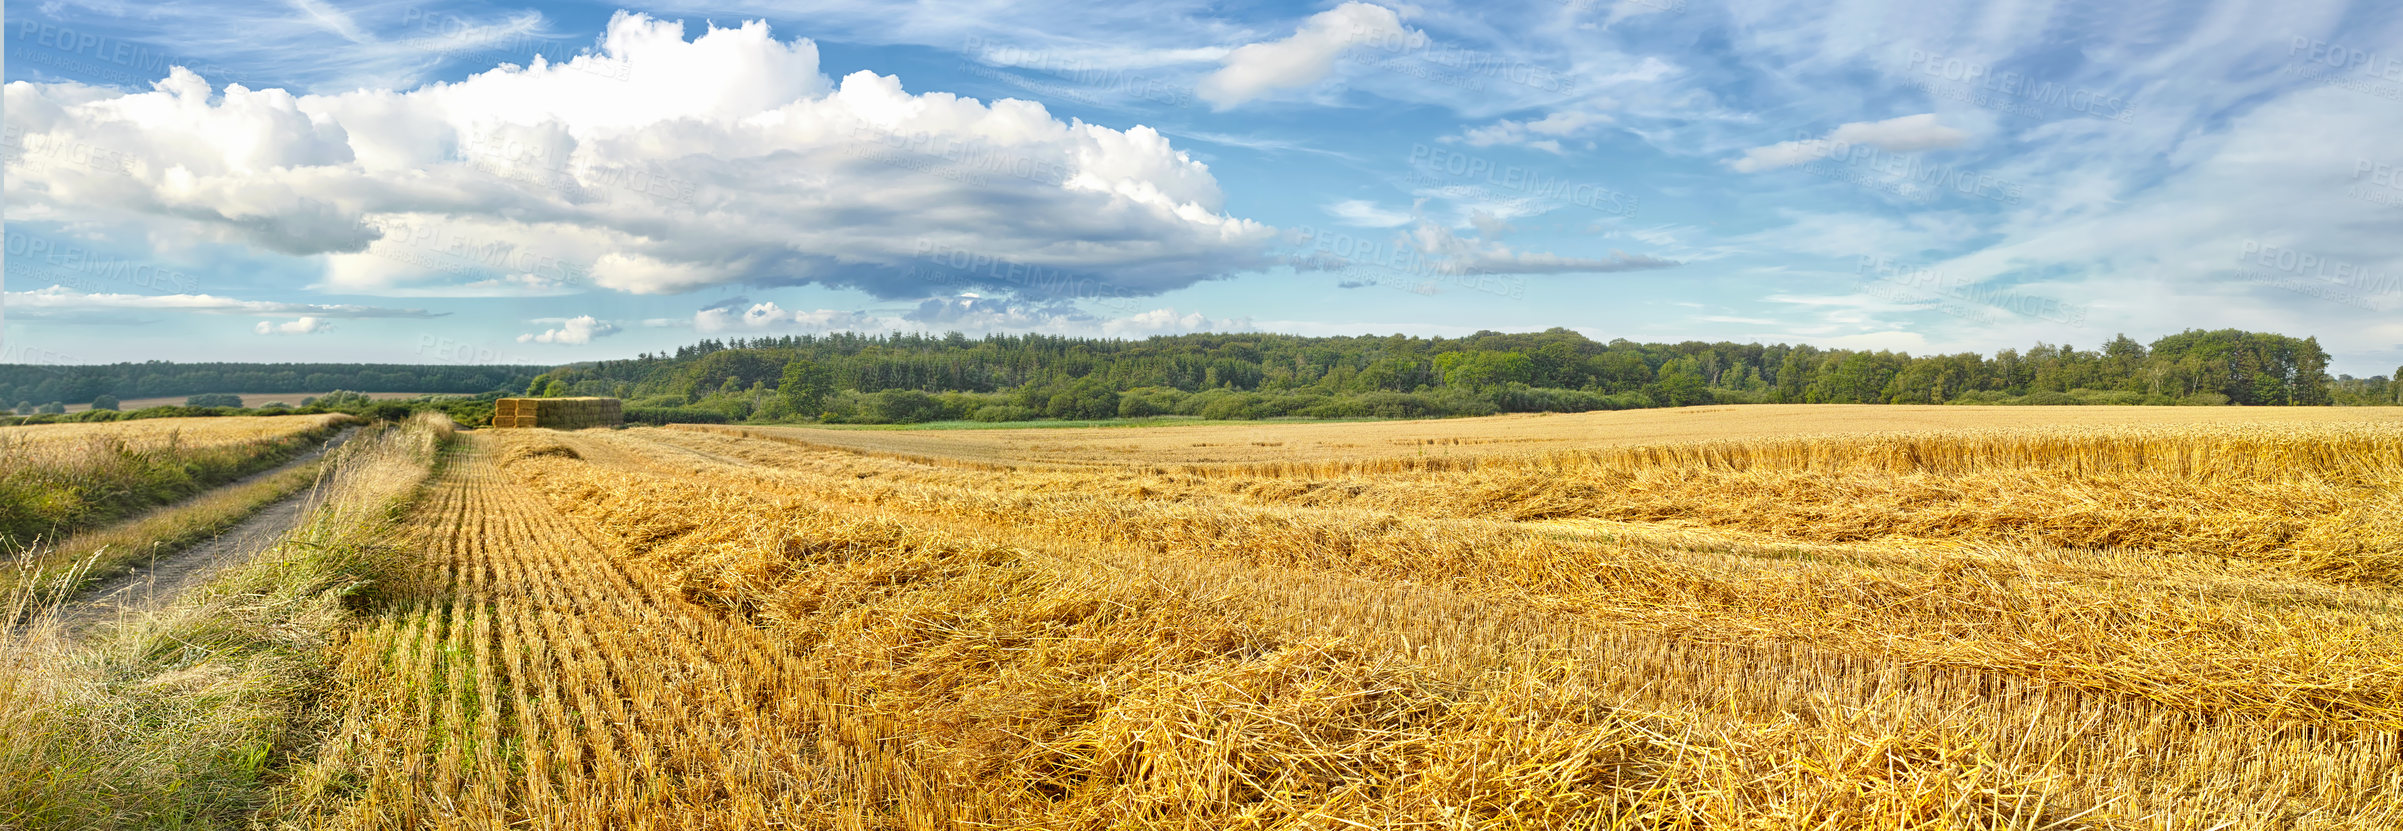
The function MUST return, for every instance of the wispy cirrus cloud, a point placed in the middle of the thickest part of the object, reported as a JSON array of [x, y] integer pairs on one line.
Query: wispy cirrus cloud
[[1455, 253], [1304, 57], [1903, 134], [61, 299], [379, 43]]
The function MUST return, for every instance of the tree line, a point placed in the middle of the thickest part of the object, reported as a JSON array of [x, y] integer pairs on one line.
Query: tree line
[[81, 384], [899, 377]]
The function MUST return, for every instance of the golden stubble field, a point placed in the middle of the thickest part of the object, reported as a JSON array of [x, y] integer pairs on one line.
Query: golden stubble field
[[1956, 618]]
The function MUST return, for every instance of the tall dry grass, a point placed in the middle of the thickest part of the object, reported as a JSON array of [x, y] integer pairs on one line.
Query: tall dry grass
[[178, 719], [57, 479], [55, 571]]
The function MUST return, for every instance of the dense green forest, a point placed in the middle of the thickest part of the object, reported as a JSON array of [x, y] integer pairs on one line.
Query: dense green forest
[[916, 378], [42, 383], [905, 378]]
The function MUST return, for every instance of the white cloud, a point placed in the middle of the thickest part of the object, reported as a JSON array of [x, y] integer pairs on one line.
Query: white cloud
[[1849, 235], [641, 274], [1490, 226], [1168, 322], [963, 313], [301, 326], [764, 317], [1305, 57], [1367, 214], [1905, 134], [1890, 340], [1543, 134], [2186, 251], [575, 330], [1627, 9], [654, 164], [1600, 82], [1455, 254], [63, 299]]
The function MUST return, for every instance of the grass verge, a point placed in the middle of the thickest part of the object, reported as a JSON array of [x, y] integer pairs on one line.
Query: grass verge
[[51, 488], [179, 719], [54, 573]]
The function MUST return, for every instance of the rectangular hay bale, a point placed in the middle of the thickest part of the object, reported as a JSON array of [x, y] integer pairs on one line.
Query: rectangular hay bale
[[558, 413]]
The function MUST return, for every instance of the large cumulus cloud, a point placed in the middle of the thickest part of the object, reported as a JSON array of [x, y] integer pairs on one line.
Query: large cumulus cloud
[[653, 164]]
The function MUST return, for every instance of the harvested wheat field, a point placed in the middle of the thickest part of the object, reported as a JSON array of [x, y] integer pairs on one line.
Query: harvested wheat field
[[1220, 442], [1952, 618]]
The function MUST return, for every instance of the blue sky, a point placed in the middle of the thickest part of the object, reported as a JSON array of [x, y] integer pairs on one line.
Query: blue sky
[[550, 182]]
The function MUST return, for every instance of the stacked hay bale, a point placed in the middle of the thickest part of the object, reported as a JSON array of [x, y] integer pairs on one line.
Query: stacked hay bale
[[558, 413]]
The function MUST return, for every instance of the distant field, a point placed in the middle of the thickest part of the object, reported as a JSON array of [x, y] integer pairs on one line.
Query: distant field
[[249, 399], [1254, 442], [187, 433]]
